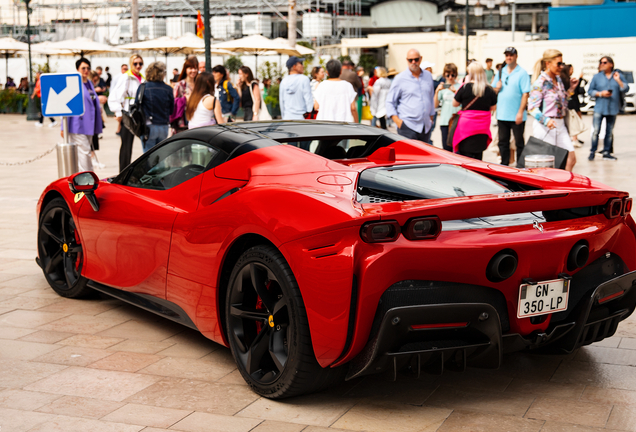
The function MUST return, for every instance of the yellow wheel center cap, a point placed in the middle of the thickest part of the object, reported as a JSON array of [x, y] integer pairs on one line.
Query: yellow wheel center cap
[[65, 248], [270, 320]]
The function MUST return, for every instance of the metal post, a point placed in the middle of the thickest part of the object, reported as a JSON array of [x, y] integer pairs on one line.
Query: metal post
[[134, 15], [291, 23], [466, 30], [66, 154], [513, 20], [32, 110], [207, 34]]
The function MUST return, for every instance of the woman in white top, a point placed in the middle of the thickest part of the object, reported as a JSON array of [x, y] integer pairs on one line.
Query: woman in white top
[[381, 89], [335, 98], [203, 108], [317, 76]]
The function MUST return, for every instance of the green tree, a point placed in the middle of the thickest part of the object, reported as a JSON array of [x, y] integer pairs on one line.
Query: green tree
[[233, 63], [269, 70], [368, 62]]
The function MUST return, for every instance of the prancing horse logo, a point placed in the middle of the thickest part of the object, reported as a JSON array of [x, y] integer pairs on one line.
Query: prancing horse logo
[[537, 225]]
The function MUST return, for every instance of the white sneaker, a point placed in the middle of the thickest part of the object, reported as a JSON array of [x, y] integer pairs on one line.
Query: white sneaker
[[53, 124], [38, 124]]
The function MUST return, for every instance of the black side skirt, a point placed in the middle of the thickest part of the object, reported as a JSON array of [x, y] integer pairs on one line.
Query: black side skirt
[[156, 305]]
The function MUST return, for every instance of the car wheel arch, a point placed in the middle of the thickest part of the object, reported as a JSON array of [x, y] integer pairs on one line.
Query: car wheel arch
[[232, 255], [50, 196]]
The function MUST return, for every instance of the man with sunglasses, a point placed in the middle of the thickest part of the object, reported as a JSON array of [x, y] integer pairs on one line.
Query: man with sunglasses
[[410, 100], [512, 84], [606, 87]]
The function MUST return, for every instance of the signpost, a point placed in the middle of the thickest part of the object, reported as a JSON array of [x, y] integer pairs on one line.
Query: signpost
[[63, 96]]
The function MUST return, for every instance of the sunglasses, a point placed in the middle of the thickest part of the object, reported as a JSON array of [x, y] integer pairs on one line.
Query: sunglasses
[[413, 60], [603, 62], [560, 64], [450, 75], [138, 64]]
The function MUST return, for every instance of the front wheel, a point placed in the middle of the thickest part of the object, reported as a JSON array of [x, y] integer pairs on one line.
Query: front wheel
[[268, 330], [60, 251]]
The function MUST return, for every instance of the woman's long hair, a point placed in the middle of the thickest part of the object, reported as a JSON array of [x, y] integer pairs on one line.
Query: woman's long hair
[[540, 65], [478, 78], [249, 76], [203, 85], [191, 62]]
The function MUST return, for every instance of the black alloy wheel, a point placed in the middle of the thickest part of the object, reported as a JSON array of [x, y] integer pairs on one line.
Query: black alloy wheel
[[267, 328], [60, 251]]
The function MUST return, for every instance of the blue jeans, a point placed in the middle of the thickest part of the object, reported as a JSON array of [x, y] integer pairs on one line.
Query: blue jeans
[[610, 121], [156, 134]]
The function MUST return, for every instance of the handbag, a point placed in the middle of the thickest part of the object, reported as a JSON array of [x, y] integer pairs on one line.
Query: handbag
[[263, 114], [134, 119], [452, 123], [574, 123], [535, 146]]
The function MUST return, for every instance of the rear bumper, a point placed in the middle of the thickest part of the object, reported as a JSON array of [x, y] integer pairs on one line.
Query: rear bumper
[[435, 336]]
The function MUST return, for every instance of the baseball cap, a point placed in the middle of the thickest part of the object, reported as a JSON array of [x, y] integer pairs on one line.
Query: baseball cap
[[510, 50], [291, 62]]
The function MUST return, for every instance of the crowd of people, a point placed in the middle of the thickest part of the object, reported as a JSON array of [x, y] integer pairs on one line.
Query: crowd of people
[[465, 109]]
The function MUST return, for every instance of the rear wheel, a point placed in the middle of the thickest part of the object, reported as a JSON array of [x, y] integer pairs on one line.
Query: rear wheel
[[60, 251], [268, 330]]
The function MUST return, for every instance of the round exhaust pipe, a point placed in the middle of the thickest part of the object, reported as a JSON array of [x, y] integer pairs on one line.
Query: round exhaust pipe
[[502, 266], [578, 256]]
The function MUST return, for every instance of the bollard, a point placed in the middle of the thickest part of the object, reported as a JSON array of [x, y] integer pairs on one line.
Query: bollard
[[66, 159], [66, 154], [539, 161]]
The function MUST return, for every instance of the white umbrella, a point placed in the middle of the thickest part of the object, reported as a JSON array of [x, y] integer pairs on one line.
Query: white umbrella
[[257, 45], [82, 46], [302, 50], [10, 46]]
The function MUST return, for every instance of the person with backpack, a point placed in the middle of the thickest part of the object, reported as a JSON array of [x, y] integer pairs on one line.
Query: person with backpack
[[512, 84], [157, 105], [225, 92]]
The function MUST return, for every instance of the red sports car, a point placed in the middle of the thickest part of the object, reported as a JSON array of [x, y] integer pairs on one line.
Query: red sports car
[[367, 252]]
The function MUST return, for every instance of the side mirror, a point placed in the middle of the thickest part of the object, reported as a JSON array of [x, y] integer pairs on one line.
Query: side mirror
[[86, 183]]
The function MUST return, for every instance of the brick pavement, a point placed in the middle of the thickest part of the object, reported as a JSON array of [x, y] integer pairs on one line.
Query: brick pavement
[[100, 365]]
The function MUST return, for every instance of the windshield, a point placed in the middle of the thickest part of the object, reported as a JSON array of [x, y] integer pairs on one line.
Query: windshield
[[414, 182]]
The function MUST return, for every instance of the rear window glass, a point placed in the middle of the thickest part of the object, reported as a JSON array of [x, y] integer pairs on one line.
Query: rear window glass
[[414, 182]]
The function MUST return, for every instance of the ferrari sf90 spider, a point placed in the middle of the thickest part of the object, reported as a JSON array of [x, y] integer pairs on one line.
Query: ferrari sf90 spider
[[368, 252]]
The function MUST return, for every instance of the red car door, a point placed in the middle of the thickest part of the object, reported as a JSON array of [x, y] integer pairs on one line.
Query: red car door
[[127, 242]]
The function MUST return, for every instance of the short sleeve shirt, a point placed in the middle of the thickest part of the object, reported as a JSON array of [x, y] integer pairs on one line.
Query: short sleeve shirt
[[465, 96], [334, 100], [445, 97], [514, 85]]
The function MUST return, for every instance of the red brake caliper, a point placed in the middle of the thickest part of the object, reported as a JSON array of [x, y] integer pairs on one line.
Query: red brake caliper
[[261, 306]]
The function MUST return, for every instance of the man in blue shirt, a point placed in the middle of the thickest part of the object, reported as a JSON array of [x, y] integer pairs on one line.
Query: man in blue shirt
[[295, 92], [512, 85], [606, 87], [410, 100]]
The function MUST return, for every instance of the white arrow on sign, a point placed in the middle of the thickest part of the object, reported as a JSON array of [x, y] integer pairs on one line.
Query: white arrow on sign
[[57, 102]]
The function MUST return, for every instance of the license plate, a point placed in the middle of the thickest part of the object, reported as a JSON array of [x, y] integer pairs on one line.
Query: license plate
[[543, 298]]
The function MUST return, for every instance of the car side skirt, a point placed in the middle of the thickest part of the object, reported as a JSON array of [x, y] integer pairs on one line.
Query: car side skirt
[[156, 305]]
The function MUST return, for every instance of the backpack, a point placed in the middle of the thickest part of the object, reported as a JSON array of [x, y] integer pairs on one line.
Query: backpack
[[134, 119], [230, 99]]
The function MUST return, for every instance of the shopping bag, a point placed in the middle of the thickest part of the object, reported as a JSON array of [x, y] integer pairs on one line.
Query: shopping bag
[[535, 146]]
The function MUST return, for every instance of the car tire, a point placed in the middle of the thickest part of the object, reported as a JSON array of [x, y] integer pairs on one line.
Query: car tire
[[60, 251], [267, 328]]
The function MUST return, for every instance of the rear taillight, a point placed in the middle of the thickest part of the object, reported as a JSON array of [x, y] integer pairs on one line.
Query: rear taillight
[[627, 206], [423, 228], [380, 232], [614, 208]]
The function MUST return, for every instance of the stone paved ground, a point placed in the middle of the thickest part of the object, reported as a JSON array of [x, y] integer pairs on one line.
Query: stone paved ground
[[100, 365]]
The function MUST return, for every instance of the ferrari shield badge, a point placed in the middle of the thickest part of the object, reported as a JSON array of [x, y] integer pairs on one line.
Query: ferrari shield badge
[[78, 196]]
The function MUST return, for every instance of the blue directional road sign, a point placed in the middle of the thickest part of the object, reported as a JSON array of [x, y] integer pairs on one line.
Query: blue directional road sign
[[62, 95]]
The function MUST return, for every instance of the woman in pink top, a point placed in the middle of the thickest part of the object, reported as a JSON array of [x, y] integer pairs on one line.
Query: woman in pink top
[[548, 104]]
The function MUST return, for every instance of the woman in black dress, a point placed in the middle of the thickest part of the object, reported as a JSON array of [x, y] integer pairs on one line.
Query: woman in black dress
[[477, 98]]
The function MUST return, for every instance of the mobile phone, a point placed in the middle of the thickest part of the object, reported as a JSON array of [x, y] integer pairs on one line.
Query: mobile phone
[[610, 91], [446, 85]]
